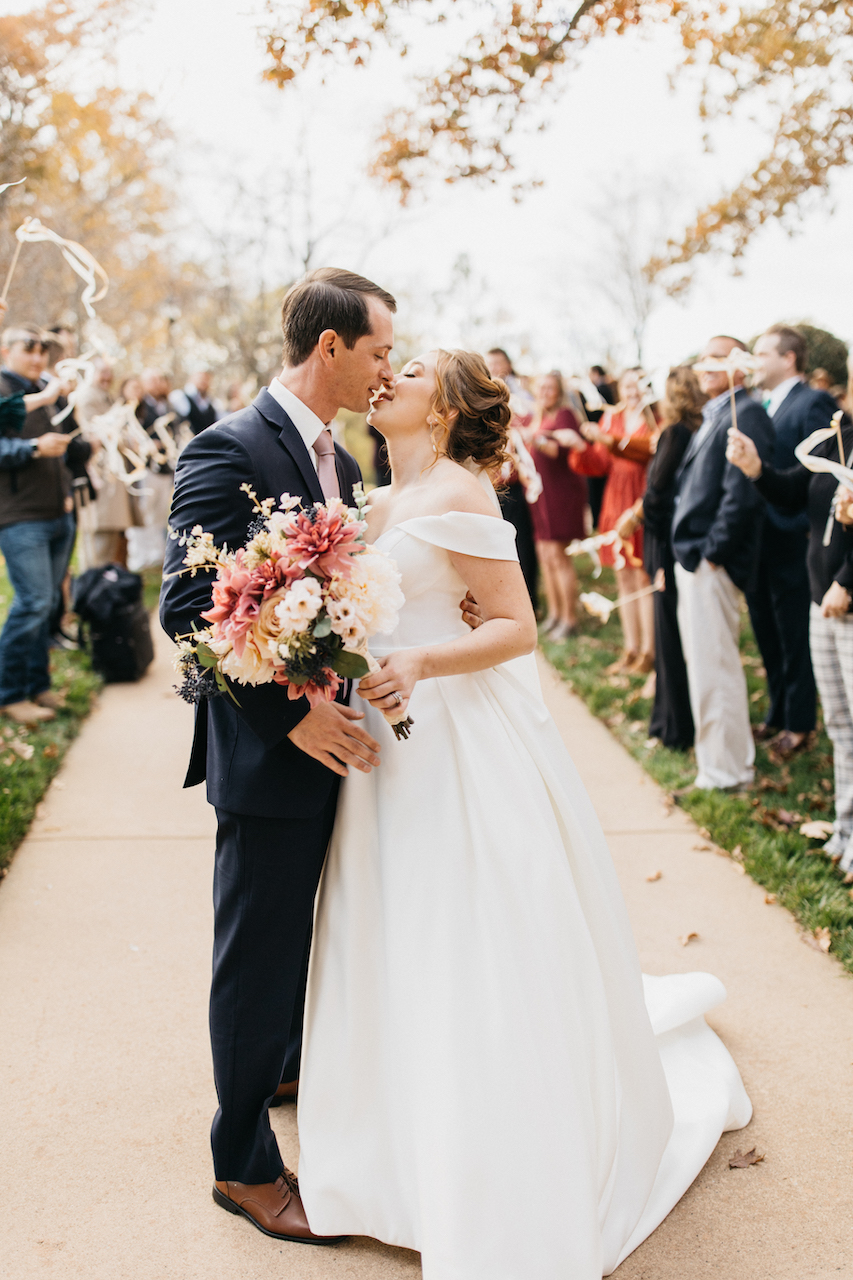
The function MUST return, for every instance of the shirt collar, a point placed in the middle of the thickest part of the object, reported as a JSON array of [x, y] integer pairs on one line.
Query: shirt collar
[[304, 419], [713, 407], [780, 393]]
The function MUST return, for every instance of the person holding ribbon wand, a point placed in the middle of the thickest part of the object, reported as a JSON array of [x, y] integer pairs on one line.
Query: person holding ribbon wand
[[814, 485]]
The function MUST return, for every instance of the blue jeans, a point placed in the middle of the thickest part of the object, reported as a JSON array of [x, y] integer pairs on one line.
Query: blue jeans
[[37, 553]]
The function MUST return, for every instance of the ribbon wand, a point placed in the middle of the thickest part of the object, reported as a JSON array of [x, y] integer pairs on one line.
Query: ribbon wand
[[737, 361]]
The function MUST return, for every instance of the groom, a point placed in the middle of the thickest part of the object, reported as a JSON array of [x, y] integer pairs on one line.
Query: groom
[[272, 765]]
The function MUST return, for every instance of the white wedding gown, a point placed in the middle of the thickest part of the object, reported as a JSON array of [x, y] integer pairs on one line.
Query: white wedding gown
[[481, 1079]]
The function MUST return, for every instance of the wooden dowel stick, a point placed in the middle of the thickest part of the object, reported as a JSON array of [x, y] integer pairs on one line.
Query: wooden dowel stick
[[11, 271], [732, 398]]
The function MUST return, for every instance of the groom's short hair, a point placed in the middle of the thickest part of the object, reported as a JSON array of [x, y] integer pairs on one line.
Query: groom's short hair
[[327, 299]]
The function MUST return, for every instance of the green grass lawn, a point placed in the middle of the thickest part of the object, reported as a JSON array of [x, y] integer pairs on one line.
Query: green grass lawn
[[29, 758], [759, 830]]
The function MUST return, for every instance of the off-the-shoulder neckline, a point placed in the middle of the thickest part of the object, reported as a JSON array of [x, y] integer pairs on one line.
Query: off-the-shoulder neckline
[[401, 524]]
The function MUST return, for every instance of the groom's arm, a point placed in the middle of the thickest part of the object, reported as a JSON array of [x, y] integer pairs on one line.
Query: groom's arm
[[207, 492]]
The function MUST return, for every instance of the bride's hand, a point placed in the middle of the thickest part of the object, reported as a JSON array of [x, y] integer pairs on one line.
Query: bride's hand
[[399, 673]]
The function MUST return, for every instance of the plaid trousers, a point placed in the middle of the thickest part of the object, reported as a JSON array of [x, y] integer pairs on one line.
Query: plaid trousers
[[831, 642]]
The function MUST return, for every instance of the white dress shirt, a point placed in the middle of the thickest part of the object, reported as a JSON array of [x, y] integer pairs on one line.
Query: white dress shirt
[[304, 419], [778, 394]]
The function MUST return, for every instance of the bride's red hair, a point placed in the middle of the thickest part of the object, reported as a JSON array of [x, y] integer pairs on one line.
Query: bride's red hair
[[479, 429]]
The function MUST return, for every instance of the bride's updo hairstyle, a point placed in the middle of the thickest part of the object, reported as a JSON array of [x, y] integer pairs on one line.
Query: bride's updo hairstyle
[[479, 431]]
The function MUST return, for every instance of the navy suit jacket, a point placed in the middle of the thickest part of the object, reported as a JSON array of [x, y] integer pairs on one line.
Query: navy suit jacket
[[803, 411], [243, 752], [718, 512]]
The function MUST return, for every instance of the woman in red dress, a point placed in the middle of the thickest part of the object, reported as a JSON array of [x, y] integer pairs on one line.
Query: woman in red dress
[[622, 444], [558, 517]]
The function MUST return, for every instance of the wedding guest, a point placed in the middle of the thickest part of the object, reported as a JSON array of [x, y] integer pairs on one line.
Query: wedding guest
[[820, 380], [558, 516], [63, 342], [622, 445], [194, 404], [780, 599], [150, 541], [716, 533], [595, 484], [830, 567], [96, 396], [130, 392], [514, 495], [236, 397], [36, 524], [671, 719], [500, 366], [113, 514]]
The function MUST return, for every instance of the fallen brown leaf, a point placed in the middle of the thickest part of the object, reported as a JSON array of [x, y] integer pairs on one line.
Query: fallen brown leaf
[[687, 937], [701, 848], [770, 898], [820, 940], [703, 831], [51, 751], [655, 875], [743, 1160]]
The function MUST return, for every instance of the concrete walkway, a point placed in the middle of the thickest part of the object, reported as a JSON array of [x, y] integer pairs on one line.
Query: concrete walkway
[[106, 1099]]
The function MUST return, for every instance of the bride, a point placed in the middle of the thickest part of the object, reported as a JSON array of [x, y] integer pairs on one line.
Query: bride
[[483, 1079]]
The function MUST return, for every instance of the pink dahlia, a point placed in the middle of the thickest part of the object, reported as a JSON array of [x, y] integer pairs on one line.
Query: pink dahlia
[[237, 596], [325, 544]]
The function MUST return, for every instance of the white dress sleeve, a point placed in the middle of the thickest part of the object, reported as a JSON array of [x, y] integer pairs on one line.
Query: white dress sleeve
[[467, 533]]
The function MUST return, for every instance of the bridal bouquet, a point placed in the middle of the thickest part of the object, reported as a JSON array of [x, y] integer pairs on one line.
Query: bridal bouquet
[[295, 606]]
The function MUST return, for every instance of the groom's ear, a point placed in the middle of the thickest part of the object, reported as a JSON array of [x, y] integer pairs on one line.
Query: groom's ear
[[326, 345]]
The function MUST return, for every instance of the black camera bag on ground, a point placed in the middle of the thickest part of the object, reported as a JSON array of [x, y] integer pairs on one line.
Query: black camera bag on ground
[[108, 602]]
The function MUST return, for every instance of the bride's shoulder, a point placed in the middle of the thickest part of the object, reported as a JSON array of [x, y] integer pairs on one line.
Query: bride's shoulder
[[457, 489]]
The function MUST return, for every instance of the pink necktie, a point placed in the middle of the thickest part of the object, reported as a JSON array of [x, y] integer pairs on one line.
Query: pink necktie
[[324, 447]]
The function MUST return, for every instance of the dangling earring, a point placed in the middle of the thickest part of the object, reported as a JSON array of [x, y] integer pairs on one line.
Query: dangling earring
[[432, 424]]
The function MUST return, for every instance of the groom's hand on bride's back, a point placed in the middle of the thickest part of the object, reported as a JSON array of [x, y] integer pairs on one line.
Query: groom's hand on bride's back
[[471, 612], [331, 734]]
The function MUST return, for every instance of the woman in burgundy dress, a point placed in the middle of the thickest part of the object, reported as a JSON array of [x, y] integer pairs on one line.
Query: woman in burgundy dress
[[622, 444], [558, 516]]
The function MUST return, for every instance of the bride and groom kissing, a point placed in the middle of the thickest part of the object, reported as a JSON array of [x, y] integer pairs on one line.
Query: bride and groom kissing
[[483, 1073]]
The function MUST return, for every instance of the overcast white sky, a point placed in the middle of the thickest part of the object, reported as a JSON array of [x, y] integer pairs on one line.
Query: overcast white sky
[[531, 265]]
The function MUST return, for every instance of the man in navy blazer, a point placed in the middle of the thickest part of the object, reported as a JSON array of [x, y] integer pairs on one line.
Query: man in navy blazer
[[715, 534], [780, 599], [272, 765]]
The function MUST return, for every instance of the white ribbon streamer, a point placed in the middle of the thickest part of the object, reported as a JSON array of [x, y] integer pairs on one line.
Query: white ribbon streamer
[[80, 260], [841, 473]]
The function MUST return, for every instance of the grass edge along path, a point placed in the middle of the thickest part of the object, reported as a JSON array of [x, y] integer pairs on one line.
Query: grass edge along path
[[30, 758], [759, 831]]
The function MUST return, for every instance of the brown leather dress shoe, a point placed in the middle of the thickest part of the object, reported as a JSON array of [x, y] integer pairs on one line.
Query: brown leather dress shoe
[[273, 1207], [288, 1092]]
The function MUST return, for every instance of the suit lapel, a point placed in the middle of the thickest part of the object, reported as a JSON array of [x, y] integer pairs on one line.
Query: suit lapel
[[291, 441], [787, 405]]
